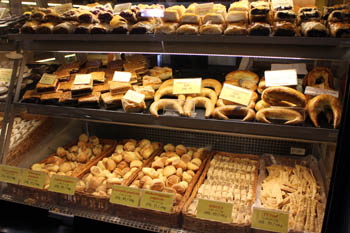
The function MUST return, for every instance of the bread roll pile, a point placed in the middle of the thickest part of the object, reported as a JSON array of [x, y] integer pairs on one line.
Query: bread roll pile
[[172, 171], [118, 168]]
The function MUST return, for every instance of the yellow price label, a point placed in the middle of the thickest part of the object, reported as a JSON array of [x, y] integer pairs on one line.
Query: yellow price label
[[236, 94], [5, 75], [124, 195], [270, 220], [33, 179], [159, 201], [10, 174], [214, 210], [63, 184], [47, 79], [187, 86]]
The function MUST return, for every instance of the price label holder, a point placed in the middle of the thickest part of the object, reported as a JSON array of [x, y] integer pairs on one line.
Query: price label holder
[[158, 201], [204, 8], [169, 111], [281, 78], [63, 184], [297, 151], [121, 76], [134, 96], [235, 94], [122, 7], [270, 220], [214, 210], [314, 91], [187, 86], [33, 179], [60, 9], [10, 174], [81, 79], [5, 75], [299, 67], [124, 195], [47, 79]]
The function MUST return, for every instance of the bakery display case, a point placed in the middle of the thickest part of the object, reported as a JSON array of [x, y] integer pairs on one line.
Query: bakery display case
[[207, 117]]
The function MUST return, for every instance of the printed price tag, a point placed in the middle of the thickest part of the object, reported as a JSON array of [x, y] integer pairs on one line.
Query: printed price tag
[[60, 9], [235, 94], [10, 174], [204, 8], [47, 79], [300, 67], [297, 151], [122, 7], [63, 184], [34, 179], [319, 91], [134, 96], [121, 76], [82, 79], [154, 200], [214, 210], [5, 75], [124, 195], [270, 220], [281, 78], [187, 86]]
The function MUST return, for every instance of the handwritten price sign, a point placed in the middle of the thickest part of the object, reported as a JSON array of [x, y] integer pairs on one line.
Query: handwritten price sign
[[63, 184], [270, 220], [33, 179], [236, 94], [214, 210], [9, 174], [187, 86], [154, 200], [125, 196]]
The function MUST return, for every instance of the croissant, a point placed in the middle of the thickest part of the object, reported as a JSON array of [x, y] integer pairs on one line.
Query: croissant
[[201, 102], [292, 117], [157, 105], [222, 113], [319, 104], [206, 92], [167, 83], [261, 105], [277, 95], [213, 83], [166, 91], [222, 103]]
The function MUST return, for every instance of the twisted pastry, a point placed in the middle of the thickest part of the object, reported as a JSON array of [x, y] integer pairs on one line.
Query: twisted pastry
[[174, 104], [222, 113], [213, 83], [319, 104], [201, 102], [292, 117], [278, 96]]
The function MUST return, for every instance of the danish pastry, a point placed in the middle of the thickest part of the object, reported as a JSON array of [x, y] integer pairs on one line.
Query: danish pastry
[[323, 103], [314, 29], [291, 117], [222, 113], [160, 104], [201, 102], [320, 77], [278, 96]]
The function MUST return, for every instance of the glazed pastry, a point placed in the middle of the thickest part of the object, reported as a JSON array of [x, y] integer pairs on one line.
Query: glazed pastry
[[188, 29], [222, 113], [291, 117], [99, 28], [276, 95], [209, 93], [259, 29], [261, 105], [237, 17], [45, 28], [65, 28], [236, 29], [242, 76], [168, 103], [164, 91], [84, 28], [322, 103], [40, 13], [340, 30], [142, 27], [119, 25], [200, 102], [212, 29], [117, 88], [167, 28], [283, 29], [223, 103], [53, 17], [314, 29], [320, 77], [29, 27]]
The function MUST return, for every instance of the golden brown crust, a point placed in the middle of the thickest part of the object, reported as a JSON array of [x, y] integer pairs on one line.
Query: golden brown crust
[[222, 113], [292, 117], [242, 75], [319, 103], [198, 101], [166, 91], [213, 83], [157, 105], [261, 105], [320, 77], [276, 96], [209, 93], [261, 86], [251, 85]]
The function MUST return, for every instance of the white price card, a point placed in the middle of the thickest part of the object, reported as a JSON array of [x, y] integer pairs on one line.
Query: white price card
[[187, 86], [5, 75], [281, 78], [134, 96], [47, 79], [122, 7], [204, 8], [121, 76], [300, 67], [81, 79], [235, 94], [319, 91]]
